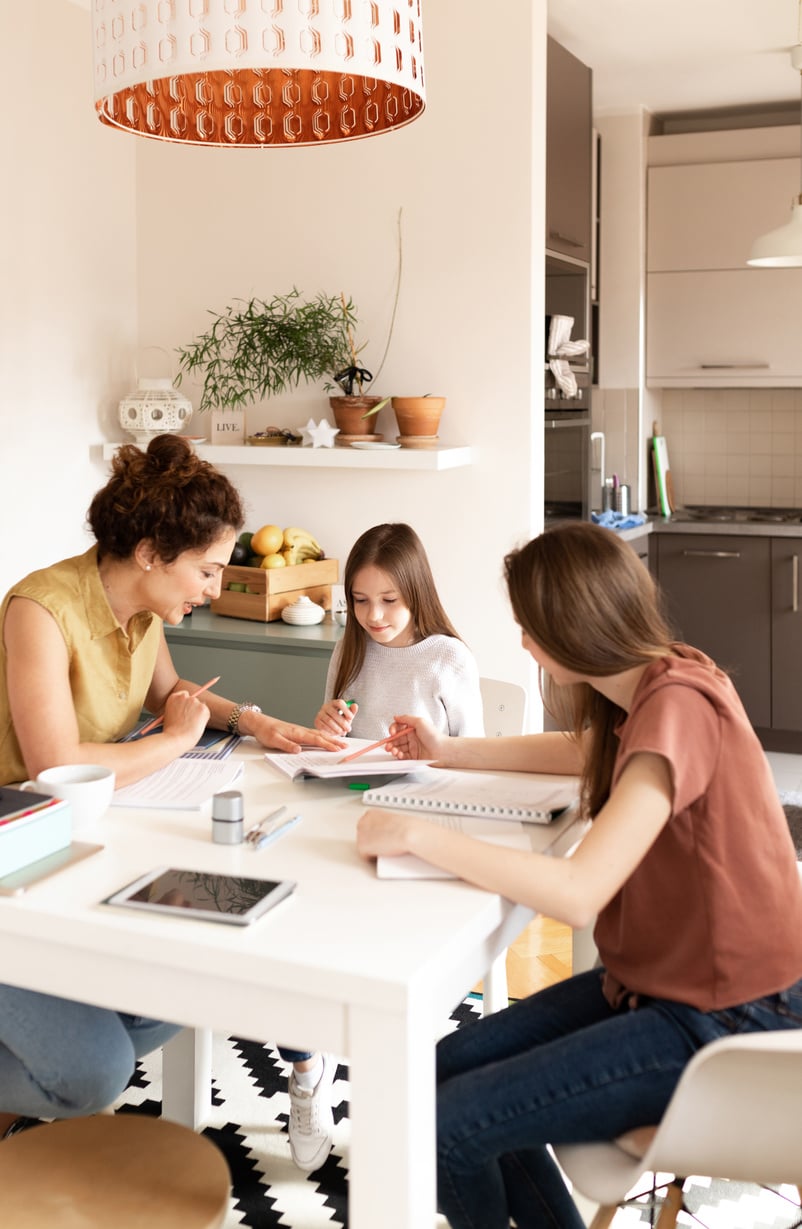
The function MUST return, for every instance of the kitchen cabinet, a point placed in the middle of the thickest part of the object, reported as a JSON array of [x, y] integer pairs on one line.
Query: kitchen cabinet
[[737, 598], [718, 598], [569, 140], [786, 645], [279, 667], [712, 321]]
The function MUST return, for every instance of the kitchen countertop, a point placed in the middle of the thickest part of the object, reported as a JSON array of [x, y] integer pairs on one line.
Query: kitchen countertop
[[202, 626], [726, 529]]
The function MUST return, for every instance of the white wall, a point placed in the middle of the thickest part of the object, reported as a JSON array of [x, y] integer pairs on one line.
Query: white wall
[[68, 322], [219, 224], [114, 243]]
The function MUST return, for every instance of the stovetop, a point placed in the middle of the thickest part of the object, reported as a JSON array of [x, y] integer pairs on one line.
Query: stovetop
[[718, 514]]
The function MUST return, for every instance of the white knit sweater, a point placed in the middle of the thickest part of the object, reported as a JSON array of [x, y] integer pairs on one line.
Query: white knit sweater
[[436, 678]]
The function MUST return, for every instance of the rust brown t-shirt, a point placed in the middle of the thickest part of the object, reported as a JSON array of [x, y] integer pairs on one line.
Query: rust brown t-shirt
[[712, 916]]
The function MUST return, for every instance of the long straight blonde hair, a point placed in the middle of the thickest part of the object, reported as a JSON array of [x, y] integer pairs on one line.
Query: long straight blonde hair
[[397, 550], [586, 599]]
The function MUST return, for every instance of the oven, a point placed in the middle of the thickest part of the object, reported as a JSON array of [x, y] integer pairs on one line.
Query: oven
[[566, 465]]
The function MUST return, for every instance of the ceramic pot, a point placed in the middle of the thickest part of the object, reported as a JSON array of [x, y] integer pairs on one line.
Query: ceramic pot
[[418, 417], [303, 612], [348, 413]]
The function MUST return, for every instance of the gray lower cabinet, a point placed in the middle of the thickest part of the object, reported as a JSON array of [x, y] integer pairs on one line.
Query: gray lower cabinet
[[786, 645], [737, 599], [718, 598], [280, 668]]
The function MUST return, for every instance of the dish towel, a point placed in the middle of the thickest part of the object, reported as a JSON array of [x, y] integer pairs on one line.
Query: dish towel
[[618, 520], [560, 349]]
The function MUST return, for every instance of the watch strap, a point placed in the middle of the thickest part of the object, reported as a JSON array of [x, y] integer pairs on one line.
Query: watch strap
[[236, 713]]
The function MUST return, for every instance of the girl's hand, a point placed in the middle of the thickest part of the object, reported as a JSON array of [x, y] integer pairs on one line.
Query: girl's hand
[[421, 742], [335, 718], [284, 736], [383, 832]]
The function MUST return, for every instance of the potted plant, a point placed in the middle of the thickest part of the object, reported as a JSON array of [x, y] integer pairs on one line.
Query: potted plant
[[258, 348], [352, 405], [418, 419]]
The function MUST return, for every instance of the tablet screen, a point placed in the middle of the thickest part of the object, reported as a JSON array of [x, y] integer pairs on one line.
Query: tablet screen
[[221, 898]]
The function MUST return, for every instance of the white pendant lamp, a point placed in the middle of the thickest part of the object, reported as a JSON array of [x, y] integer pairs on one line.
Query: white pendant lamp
[[258, 73], [782, 248]]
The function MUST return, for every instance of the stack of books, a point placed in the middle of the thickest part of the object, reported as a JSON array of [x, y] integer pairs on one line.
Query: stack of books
[[32, 826]]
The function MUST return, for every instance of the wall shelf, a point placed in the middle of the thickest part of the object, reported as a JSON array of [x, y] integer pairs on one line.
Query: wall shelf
[[329, 458]]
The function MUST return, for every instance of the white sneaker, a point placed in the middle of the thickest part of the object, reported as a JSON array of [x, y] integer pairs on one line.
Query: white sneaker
[[311, 1119]]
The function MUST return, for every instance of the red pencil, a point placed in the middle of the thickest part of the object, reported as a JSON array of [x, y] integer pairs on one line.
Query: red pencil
[[158, 720], [372, 746]]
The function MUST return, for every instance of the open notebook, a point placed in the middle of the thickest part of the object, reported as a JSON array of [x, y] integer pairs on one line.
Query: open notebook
[[329, 764]]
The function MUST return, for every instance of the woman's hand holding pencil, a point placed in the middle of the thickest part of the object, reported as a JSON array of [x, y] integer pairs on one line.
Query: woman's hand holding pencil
[[157, 721]]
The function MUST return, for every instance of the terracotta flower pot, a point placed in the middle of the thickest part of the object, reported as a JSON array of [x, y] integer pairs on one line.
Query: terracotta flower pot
[[418, 417], [348, 413]]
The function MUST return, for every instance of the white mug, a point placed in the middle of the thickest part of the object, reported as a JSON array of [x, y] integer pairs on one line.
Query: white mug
[[87, 787]]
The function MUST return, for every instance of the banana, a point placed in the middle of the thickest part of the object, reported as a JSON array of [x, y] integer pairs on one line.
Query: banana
[[301, 540]]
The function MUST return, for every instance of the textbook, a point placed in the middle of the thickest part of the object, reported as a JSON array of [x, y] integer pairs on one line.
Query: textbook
[[312, 763], [481, 795]]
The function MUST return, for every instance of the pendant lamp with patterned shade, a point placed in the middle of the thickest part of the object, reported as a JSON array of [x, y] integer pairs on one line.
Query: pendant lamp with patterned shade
[[258, 73]]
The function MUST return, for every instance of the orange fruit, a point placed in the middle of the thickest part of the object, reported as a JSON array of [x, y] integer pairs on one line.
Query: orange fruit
[[267, 540]]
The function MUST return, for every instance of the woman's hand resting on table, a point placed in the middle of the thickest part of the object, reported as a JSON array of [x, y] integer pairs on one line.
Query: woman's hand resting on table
[[284, 735], [384, 833]]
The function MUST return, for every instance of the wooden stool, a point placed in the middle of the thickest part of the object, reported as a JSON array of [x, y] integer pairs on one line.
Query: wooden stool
[[122, 1172]]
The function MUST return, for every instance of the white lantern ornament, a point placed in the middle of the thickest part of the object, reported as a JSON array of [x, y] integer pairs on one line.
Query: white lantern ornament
[[155, 408]]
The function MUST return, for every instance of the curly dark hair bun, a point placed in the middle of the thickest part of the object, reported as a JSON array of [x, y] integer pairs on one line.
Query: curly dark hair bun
[[166, 495]]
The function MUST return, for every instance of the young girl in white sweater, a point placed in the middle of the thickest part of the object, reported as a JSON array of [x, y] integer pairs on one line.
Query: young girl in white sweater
[[399, 652]]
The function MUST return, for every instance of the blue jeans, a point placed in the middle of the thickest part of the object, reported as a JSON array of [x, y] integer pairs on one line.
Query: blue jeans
[[60, 1059], [562, 1067]]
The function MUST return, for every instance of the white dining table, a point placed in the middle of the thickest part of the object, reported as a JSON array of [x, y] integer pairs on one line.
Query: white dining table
[[367, 969]]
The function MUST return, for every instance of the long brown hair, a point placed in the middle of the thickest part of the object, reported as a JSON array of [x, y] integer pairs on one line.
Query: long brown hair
[[398, 551], [166, 495], [584, 597]]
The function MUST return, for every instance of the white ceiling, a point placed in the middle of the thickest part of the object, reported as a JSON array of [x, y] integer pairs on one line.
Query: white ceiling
[[682, 55], [679, 55]]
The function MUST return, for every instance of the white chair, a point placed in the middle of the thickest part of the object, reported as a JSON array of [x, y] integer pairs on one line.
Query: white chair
[[503, 707], [734, 1115], [504, 712]]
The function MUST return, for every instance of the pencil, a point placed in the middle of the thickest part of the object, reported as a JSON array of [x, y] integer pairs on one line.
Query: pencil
[[372, 746], [158, 720]]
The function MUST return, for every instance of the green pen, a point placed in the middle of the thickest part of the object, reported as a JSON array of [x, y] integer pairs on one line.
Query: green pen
[[348, 704]]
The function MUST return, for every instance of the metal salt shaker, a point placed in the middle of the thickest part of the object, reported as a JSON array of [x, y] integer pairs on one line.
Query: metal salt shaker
[[228, 814]]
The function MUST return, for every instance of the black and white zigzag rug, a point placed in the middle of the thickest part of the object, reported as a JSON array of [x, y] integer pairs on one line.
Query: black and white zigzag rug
[[248, 1123]]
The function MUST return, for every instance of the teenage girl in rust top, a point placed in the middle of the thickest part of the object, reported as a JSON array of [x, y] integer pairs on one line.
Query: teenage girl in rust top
[[688, 867]]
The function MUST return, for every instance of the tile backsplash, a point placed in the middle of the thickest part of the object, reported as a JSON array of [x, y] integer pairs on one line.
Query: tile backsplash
[[735, 446]]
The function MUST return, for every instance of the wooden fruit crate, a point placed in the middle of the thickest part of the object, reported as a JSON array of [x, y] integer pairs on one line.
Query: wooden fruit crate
[[274, 588]]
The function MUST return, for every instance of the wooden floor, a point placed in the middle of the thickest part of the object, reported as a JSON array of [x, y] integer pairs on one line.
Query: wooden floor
[[540, 956]]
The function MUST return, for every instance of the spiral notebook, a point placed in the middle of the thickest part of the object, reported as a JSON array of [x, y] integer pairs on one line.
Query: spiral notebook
[[482, 795]]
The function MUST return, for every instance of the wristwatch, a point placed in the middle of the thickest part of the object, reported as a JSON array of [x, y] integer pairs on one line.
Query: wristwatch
[[236, 713]]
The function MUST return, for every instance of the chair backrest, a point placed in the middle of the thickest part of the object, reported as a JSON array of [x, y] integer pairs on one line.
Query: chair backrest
[[734, 1114], [504, 707]]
